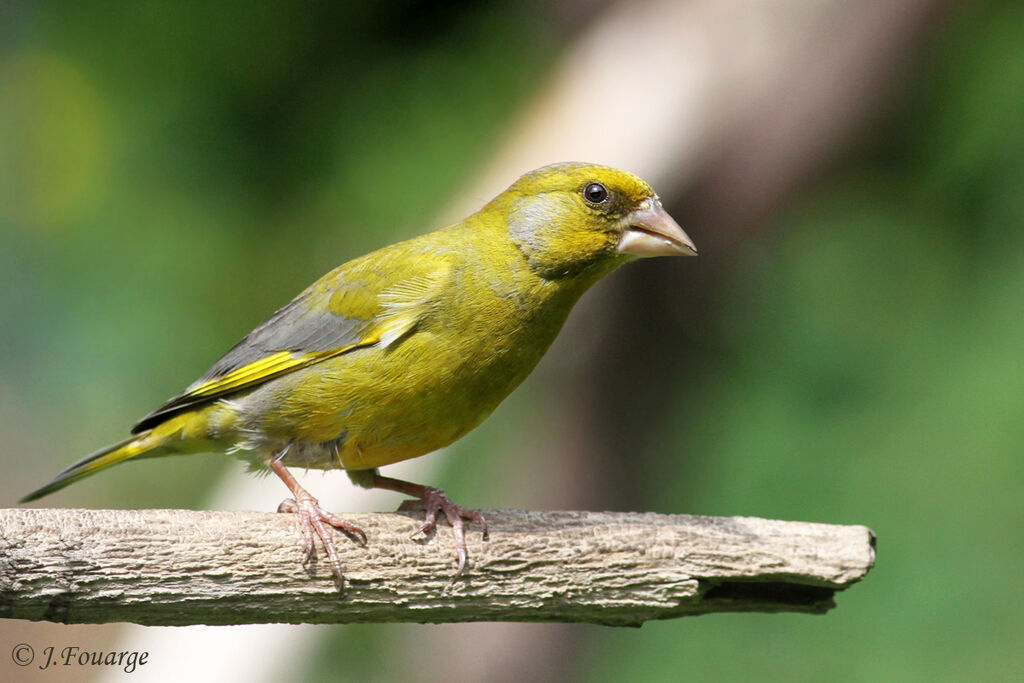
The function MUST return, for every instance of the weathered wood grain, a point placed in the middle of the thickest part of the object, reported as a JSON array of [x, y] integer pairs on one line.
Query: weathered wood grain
[[176, 567]]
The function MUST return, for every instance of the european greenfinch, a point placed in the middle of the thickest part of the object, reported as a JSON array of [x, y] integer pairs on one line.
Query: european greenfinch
[[404, 350]]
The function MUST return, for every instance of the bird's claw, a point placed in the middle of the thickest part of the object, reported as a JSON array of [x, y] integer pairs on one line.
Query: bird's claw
[[434, 499], [313, 519]]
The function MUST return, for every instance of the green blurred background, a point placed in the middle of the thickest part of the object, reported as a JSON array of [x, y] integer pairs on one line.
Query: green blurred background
[[847, 351]]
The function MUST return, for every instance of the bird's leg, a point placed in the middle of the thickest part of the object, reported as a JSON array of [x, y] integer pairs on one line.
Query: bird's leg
[[431, 500], [314, 519]]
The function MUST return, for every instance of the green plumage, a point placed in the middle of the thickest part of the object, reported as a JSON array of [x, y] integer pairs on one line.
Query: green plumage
[[404, 350]]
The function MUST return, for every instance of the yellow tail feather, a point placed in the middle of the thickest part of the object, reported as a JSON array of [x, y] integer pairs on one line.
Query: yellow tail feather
[[140, 445]]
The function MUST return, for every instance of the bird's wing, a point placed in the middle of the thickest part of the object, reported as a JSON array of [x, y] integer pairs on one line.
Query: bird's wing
[[357, 305]]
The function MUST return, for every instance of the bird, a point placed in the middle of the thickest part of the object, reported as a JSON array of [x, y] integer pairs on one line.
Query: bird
[[404, 350]]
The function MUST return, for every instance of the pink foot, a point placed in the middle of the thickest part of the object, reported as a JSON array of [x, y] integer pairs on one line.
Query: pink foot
[[433, 500], [313, 519]]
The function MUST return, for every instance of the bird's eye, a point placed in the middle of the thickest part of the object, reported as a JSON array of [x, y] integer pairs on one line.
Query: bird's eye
[[595, 193]]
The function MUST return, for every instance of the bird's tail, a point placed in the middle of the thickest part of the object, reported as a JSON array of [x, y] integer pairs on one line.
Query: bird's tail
[[144, 445]]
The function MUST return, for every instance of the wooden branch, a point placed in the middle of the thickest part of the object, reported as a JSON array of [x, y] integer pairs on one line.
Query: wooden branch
[[177, 567]]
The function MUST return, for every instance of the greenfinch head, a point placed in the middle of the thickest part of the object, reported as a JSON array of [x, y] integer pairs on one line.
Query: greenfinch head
[[568, 218]]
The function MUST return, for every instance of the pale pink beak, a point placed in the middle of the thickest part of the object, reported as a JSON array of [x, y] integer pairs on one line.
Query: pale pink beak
[[650, 231]]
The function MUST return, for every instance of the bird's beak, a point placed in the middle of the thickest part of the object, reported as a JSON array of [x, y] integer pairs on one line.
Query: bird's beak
[[650, 231]]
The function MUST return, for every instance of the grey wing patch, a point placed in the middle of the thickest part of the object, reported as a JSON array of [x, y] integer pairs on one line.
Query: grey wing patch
[[304, 326], [295, 327]]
